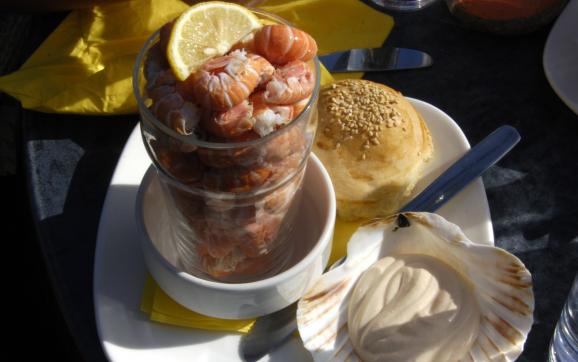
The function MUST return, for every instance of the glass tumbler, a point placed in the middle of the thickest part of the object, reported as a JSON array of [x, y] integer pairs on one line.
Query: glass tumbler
[[564, 344], [232, 204]]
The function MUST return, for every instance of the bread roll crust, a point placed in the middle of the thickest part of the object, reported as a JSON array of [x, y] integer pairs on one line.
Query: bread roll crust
[[374, 145]]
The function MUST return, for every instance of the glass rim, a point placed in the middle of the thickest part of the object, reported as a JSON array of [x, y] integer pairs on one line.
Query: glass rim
[[217, 145]]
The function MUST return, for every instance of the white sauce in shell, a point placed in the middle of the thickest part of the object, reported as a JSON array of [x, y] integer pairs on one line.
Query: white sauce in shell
[[412, 308]]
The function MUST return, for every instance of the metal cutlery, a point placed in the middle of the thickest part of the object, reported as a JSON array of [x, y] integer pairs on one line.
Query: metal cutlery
[[375, 60]]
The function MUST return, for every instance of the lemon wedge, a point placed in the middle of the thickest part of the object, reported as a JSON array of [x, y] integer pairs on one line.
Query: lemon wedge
[[207, 30]]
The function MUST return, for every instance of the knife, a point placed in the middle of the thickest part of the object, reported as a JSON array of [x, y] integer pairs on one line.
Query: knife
[[270, 331], [375, 60]]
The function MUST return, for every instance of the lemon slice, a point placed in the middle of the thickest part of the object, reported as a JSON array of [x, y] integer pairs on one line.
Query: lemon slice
[[207, 30]]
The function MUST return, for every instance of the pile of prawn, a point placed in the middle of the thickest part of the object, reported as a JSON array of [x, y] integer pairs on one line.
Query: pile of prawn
[[258, 87], [263, 83]]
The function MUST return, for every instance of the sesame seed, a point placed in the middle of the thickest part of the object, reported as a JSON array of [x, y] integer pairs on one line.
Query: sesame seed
[[360, 109]]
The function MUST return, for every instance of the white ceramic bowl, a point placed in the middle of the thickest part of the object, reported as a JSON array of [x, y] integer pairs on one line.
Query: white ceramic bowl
[[313, 234]]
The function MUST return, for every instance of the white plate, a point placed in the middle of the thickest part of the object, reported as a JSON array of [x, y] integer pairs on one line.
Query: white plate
[[119, 271], [561, 56]]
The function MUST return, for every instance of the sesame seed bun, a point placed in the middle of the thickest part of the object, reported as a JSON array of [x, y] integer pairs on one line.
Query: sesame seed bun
[[374, 145]]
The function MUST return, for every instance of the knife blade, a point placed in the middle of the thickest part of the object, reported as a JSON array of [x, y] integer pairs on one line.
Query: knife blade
[[272, 330], [375, 60]]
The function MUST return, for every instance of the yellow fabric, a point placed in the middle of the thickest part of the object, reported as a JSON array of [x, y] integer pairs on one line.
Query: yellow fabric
[[161, 308], [85, 65], [341, 235]]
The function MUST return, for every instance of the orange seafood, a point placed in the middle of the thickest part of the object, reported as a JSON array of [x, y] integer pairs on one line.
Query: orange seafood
[[256, 156], [169, 105], [248, 156], [185, 167], [281, 44], [299, 106], [280, 200], [231, 123], [155, 63], [216, 242], [246, 43], [268, 117], [259, 236], [231, 218], [226, 81], [285, 168], [289, 142], [291, 83], [179, 115], [226, 158], [235, 263], [245, 250], [284, 159], [217, 158], [235, 179]]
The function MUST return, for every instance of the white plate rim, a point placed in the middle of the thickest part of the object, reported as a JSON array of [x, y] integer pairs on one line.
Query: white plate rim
[[122, 176]]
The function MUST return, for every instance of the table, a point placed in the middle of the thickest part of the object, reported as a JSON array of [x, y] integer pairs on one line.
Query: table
[[481, 80]]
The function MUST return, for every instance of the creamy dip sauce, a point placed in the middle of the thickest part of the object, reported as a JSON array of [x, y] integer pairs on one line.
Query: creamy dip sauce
[[412, 308]]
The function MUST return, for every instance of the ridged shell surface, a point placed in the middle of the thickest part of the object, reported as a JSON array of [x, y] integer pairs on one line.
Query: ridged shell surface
[[498, 289]]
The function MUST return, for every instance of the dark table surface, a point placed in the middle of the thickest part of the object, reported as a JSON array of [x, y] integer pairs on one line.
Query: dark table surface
[[482, 81]]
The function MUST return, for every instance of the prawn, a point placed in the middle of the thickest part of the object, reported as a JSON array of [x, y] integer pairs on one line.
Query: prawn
[[281, 44], [260, 235], [185, 167], [299, 106], [270, 117], [217, 158], [226, 81], [155, 63], [280, 200], [233, 264], [249, 156], [247, 252], [236, 179], [231, 123], [290, 83], [245, 179], [169, 104]]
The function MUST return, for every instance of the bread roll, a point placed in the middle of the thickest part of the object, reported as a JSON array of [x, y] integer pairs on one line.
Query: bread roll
[[374, 145]]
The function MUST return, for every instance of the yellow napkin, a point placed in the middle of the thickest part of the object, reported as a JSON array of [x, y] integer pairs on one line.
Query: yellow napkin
[[336, 25], [161, 308], [85, 65]]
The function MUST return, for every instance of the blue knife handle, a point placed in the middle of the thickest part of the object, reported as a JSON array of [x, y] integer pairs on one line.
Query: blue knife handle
[[477, 160]]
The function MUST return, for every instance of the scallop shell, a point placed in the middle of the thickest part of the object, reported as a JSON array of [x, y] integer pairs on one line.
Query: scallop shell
[[501, 285]]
